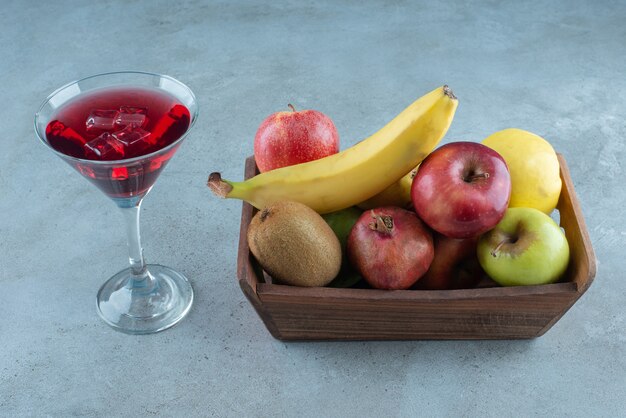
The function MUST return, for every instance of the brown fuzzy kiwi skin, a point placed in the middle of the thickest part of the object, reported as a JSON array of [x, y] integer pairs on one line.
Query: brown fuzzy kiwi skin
[[294, 244]]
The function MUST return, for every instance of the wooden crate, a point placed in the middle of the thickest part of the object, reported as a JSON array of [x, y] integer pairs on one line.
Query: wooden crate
[[299, 313]]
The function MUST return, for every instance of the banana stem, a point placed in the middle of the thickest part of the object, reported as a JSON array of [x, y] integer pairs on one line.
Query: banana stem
[[219, 187]]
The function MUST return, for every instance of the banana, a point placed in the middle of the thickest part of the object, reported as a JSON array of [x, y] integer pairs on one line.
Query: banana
[[354, 175], [398, 194]]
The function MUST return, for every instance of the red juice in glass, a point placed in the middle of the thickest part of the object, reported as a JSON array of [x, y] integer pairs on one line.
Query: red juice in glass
[[119, 123]]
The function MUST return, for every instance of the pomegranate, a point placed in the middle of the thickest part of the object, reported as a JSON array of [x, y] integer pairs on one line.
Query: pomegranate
[[391, 247]]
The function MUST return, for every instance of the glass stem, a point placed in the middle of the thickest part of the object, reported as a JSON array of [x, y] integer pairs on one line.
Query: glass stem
[[135, 251]]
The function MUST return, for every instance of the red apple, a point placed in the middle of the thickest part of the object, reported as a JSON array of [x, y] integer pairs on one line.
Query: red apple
[[455, 265], [294, 137], [390, 247], [462, 189]]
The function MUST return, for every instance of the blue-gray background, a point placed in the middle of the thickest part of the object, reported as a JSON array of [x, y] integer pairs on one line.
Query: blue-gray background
[[555, 68]]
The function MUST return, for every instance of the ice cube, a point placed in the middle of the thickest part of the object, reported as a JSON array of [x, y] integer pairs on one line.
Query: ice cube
[[55, 128], [86, 171], [178, 112], [172, 125], [58, 129], [65, 139], [135, 139], [119, 173], [134, 110], [130, 115], [101, 119], [104, 147], [158, 162]]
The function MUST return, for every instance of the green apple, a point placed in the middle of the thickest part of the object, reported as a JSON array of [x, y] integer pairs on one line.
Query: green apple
[[341, 222], [525, 248]]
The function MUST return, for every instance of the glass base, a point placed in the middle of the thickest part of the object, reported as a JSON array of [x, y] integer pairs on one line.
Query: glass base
[[153, 304]]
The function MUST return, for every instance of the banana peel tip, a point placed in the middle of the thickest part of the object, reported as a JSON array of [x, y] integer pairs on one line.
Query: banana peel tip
[[448, 92]]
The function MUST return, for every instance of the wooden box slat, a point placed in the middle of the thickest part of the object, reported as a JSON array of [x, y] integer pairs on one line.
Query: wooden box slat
[[298, 313]]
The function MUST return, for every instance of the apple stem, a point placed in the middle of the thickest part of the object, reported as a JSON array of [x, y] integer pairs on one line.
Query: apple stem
[[494, 253], [382, 224], [477, 176], [293, 109]]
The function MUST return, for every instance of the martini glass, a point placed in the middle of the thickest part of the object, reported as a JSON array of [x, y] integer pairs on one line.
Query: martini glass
[[144, 298]]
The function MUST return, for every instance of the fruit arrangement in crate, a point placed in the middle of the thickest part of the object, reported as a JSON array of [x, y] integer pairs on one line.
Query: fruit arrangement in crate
[[394, 238]]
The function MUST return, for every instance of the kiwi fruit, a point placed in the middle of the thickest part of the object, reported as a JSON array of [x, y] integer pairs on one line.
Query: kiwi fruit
[[294, 244]]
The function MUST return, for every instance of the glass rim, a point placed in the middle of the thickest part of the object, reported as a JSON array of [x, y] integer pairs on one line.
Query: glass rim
[[42, 138]]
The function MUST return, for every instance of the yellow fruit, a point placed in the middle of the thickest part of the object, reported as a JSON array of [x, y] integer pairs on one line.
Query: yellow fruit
[[354, 175], [398, 194], [533, 165]]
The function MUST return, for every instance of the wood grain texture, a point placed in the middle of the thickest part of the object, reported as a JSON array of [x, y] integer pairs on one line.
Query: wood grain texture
[[297, 313]]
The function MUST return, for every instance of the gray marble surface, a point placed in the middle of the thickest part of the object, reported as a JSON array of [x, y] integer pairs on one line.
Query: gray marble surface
[[555, 68]]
